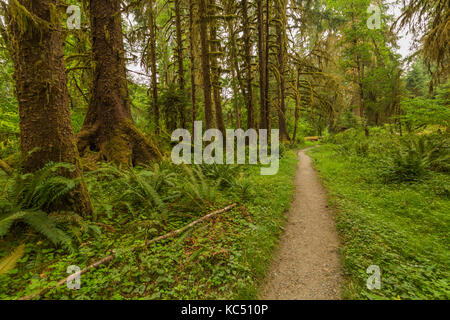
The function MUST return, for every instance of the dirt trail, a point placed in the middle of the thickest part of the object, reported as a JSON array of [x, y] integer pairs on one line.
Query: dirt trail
[[307, 263]]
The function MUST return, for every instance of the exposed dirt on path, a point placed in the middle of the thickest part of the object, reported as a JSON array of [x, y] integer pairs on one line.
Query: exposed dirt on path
[[306, 265]]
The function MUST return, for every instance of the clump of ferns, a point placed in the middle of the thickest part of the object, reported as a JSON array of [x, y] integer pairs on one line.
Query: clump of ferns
[[26, 198], [196, 190], [145, 191]]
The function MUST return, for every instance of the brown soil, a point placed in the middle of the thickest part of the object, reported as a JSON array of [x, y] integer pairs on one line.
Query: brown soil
[[307, 265]]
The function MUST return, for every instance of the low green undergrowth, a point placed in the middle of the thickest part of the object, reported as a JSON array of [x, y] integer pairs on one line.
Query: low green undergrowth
[[223, 258], [400, 225]]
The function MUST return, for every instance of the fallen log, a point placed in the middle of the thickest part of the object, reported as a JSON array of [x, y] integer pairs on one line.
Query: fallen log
[[312, 139], [112, 256]]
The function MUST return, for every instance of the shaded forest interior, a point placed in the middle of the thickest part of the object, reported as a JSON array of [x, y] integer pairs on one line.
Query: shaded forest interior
[[91, 91]]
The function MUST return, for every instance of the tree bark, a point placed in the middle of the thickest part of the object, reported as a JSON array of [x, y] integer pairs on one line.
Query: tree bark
[[235, 73], [206, 68], [215, 67], [180, 57], [297, 104], [41, 86], [248, 65], [262, 66], [281, 41], [266, 61], [192, 63], [108, 126], [153, 69]]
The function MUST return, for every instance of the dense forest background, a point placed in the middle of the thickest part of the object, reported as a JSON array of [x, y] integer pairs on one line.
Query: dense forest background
[[87, 109]]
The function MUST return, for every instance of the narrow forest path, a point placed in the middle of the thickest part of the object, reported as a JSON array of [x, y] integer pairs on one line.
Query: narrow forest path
[[306, 265]]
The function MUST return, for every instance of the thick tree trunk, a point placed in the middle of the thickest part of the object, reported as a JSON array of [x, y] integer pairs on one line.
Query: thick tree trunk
[[262, 66], [206, 67], [267, 76], [363, 110], [153, 69], [41, 85], [282, 48], [215, 67], [108, 126], [297, 105], [235, 73], [192, 63], [180, 57]]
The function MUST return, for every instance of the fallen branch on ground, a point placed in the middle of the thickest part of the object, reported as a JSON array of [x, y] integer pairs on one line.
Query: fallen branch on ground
[[111, 257]]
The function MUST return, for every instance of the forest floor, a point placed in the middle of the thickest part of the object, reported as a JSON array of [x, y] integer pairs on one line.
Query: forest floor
[[307, 264]]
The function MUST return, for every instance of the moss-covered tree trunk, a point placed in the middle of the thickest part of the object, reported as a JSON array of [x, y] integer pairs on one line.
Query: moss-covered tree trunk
[[215, 66], [246, 24], [192, 63], [35, 37], [262, 66], [281, 26], [206, 67], [108, 127], [180, 57], [152, 63]]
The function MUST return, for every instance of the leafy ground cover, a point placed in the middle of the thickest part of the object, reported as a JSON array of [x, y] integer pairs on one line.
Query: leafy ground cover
[[223, 258], [402, 227]]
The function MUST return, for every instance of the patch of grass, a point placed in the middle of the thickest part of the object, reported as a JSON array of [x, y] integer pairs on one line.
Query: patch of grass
[[401, 227]]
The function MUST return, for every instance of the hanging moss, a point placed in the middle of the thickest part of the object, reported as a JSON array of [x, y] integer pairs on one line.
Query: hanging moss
[[25, 21]]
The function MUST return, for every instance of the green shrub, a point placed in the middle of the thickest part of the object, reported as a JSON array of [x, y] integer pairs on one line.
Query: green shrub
[[28, 196], [412, 160]]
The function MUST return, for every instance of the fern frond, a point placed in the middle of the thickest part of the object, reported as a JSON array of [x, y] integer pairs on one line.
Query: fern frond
[[41, 222], [7, 220], [9, 262]]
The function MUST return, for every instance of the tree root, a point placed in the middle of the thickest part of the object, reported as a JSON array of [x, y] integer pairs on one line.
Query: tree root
[[125, 146]]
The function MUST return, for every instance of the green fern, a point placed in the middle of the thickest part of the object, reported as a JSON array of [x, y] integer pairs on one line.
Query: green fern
[[27, 196], [412, 160], [196, 188], [138, 189], [9, 262], [41, 189]]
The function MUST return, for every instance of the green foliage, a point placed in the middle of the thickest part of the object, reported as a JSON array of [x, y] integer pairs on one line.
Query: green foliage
[[400, 227], [173, 102], [225, 174], [42, 189], [137, 190], [27, 196], [222, 258], [197, 191], [9, 262], [417, 80], [426, 111], [416, 156]]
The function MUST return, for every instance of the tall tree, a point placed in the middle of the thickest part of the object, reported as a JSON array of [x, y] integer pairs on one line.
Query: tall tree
[[108, 126], [180, 56], [35, 38], [281, 26], [193, 69], [248, 64], [215, 65], [152, 61], [206, 66], [233, 60], [262, 59]]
